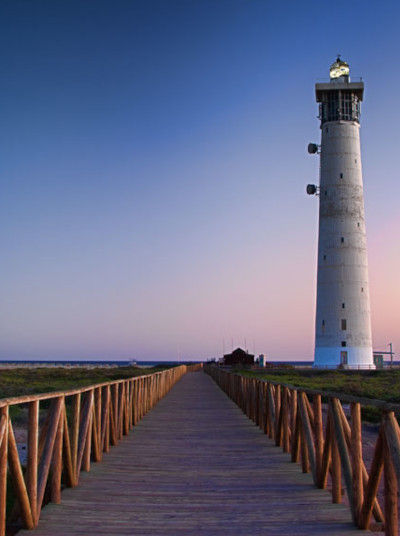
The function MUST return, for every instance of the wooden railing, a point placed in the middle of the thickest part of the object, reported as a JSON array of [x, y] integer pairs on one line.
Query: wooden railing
[[78, 427], [313, 428]]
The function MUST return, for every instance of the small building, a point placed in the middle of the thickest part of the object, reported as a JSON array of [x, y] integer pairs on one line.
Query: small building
[[238, 357]]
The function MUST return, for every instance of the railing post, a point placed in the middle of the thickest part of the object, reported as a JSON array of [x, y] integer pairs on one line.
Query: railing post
[[356, 459], [56, 464], [32, 465], [76, 413], [318, 434], [391, 490], [3, 467]]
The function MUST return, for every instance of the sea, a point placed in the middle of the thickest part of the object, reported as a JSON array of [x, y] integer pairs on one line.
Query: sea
[[125, 363]]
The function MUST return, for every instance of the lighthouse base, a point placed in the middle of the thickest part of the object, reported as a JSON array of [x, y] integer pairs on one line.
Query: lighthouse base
[[347, 357]]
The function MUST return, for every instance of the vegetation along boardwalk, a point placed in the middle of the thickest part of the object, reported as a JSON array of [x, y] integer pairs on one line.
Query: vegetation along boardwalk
[[195, 465]]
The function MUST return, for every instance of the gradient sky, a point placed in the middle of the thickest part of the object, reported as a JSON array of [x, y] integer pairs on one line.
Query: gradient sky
[[153, 167]]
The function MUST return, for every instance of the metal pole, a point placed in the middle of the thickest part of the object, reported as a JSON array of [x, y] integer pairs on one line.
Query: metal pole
[[391, 354]]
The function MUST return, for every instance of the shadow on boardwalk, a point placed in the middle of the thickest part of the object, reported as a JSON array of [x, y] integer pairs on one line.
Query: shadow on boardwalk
[[195, 465]]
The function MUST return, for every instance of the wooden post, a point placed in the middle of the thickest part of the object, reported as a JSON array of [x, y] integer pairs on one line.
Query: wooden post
[[318, 434], [88, 441], [307, 443], [44, 465], [272, 412], [347, 434], [105, 440], [67, 457], [326, 454], [373, 482], [295, 431], [336, 473], [76, 413], [343, 452], [295, 446], [266, 410], [18, 480], [99, 422], [32, 465], [356, 459], [278, 416], [392, 434], [305, 462], [390, 481], [56, 464], [95, 434], [84, 437], [3, 467], [285, 420]]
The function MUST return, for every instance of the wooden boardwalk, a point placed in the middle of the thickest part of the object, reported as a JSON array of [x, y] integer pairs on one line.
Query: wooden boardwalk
[[195, 465]]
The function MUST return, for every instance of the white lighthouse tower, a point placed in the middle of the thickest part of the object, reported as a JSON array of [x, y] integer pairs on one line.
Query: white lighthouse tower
[[343, 323]]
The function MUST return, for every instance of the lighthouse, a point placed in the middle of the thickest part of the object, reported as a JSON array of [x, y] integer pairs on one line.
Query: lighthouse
[[343, 319]]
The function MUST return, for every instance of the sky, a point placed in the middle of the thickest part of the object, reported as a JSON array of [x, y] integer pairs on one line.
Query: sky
[[153, 167]]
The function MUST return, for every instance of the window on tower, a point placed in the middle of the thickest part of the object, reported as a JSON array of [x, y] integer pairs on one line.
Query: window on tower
[[343, 305], [344, 324], [341, 175], [342, 240], [344, 343]]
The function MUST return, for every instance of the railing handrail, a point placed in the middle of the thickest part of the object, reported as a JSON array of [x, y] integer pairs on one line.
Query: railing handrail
[[68, 441], [24, 399], [326, 446], [344, 397]]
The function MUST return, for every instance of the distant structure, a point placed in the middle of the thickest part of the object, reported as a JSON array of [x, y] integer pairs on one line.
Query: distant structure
[[343, 324], [262, 360], [238, 357]]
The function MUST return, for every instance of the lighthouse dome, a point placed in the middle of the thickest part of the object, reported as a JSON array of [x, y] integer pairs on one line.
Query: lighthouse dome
[[339, 68]]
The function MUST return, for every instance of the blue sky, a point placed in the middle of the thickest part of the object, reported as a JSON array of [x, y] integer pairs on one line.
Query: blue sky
[[152, 173]]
